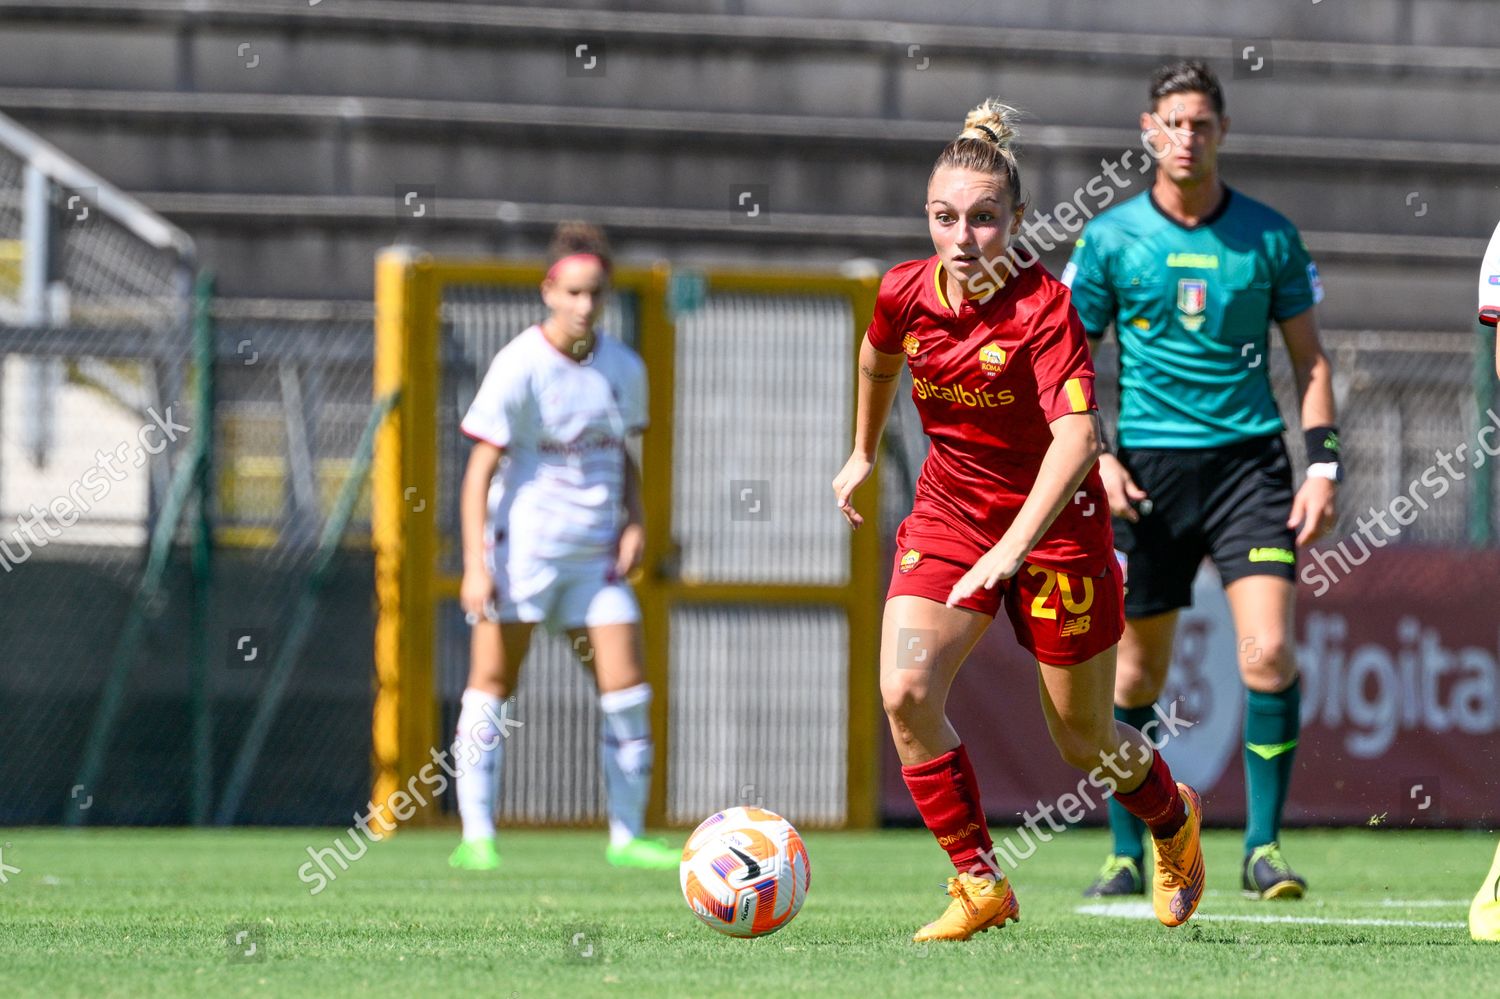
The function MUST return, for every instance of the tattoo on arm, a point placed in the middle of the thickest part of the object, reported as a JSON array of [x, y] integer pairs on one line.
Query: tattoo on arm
[[877, 376]]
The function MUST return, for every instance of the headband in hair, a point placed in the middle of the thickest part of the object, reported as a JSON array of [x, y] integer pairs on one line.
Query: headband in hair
[[552, 271], [990, 132]]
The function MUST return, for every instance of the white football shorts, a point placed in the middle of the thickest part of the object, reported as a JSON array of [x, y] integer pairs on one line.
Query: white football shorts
[[559, 594]]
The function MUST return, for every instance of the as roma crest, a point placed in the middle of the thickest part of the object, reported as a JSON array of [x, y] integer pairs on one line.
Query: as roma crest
[[992, 358]]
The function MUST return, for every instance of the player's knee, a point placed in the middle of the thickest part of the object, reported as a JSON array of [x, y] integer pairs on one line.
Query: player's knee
[[489, 679], [1080, 754], [1140, 674], [1137, 690], [1080, 748], [903, 693], [1267, 664]]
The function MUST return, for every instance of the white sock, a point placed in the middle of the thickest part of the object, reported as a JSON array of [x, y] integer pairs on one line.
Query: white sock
[[625, 749], [476, 756]]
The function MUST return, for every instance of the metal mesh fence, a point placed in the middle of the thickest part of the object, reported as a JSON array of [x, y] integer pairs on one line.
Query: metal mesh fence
[[286, 425], [293, 400], [762, 413], [762, 424], [763, 417], [294, 396], [94, 421], [1402, 400], [759, 712], [12, 168], [146, 681], [106, 277]]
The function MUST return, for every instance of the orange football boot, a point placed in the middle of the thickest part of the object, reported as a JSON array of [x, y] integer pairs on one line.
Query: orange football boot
[[978, 904], [1178, 883]]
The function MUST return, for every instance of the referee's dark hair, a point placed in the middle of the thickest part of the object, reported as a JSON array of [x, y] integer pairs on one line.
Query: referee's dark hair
[[1190, 76]]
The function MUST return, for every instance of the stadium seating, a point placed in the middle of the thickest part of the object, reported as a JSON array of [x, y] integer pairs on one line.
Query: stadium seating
[[283, 159]]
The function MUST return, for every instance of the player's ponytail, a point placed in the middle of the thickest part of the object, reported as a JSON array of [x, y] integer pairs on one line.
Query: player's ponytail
[[574, 237], [992, 121], [984, 144]]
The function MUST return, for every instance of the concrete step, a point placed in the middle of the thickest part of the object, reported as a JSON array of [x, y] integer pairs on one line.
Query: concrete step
[[1420, 22], [277, 144], [864, 69], [322, 247]]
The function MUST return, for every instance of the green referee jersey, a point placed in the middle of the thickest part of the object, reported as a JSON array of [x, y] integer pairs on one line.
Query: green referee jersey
[[1191, 306]]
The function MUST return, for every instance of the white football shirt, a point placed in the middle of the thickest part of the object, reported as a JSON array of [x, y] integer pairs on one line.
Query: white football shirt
[[563, 426]]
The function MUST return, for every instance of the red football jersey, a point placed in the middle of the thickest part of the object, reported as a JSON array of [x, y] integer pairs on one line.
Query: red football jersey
[[988, 379]]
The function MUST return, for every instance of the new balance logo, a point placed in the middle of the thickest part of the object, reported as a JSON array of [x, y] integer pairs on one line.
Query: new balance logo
[[1183, 902], [1076, 626]]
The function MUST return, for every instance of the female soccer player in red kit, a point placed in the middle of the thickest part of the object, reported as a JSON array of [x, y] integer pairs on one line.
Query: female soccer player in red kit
[[1009, 510]]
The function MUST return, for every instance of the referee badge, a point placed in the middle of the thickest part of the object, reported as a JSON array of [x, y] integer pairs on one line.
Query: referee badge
[[1192, 297]]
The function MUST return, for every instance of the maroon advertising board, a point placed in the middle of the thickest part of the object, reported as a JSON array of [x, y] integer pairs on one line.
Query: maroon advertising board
[[1400, 702]]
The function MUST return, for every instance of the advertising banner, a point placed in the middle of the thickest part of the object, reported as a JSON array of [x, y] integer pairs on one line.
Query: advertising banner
[[1400, 703]]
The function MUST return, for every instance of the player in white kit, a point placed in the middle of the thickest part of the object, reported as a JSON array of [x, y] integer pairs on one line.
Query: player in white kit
[[551, 542]]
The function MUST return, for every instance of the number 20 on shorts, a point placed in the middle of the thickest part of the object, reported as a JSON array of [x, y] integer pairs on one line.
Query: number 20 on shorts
[[1052, 579]]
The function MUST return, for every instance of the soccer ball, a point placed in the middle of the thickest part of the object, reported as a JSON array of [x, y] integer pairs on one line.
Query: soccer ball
[[745, 872]]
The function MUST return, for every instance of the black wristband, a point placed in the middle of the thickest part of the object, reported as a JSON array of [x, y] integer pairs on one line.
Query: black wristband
[[1322, 444]]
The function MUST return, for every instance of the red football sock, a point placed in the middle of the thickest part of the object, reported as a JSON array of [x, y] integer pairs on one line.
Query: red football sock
[[947, 795], [1156, 802]]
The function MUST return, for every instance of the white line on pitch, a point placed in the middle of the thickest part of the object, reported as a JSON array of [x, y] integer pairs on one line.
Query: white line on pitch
[[1143, 910], [1423, 903]]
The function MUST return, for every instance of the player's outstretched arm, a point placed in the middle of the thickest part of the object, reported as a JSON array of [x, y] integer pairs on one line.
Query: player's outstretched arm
[[478, 586], [1075, 446], [878, 374], [1314, 510]]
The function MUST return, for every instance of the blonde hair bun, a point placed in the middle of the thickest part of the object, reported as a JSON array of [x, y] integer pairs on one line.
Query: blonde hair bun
[[993, 122]]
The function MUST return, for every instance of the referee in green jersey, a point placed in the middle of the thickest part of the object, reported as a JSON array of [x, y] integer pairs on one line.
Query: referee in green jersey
[[1191, 274]]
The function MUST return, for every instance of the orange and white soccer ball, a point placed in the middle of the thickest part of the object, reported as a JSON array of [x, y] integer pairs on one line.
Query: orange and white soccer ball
[[745, 872]]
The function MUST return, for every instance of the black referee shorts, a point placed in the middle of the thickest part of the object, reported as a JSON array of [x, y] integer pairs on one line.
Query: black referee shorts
[[1230, 503]]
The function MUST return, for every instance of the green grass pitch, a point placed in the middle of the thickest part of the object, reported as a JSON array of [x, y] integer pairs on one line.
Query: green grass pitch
[[151, 913]]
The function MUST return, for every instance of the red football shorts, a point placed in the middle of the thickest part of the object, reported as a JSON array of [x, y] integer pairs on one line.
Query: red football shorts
[[1060, 618]]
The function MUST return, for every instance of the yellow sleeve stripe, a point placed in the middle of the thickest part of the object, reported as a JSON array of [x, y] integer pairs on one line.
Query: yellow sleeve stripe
[[1075, 395]]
